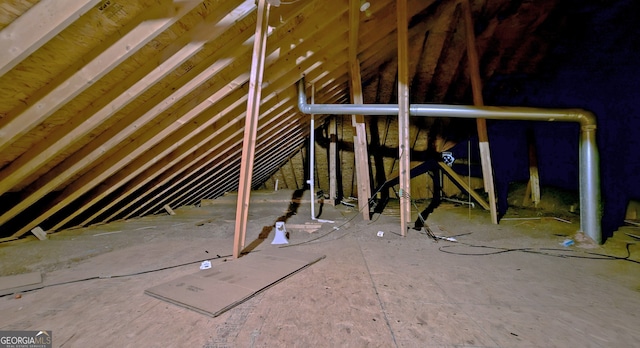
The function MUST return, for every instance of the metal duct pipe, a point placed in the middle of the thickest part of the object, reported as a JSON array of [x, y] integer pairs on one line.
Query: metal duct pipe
[[588, 160]]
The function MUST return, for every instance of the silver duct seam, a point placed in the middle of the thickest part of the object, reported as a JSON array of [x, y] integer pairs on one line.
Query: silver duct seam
[[588, 150]]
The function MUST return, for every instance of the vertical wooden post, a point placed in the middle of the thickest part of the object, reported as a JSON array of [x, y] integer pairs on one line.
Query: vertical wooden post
[[481, 123], [360, 144], [251, 127], [403, 117], [534, 177], [360, 133]]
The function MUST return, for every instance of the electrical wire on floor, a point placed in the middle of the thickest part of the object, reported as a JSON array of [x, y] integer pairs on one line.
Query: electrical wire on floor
[[565, 253], [424, 222], [125, 275], [495, 250], [337, 228]]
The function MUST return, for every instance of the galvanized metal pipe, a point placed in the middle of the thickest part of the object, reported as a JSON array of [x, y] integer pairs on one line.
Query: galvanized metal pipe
[[588, 157]]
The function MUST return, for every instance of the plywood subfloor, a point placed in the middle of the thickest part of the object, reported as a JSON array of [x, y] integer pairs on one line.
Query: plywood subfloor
[[20, 282], [368, 291]]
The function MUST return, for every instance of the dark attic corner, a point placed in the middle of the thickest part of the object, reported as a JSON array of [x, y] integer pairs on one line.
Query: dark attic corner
[[319, 173], [592, 66]]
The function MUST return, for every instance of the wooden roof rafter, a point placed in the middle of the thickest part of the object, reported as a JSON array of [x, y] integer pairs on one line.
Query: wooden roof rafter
[[203, 121], [94, 70], [49, 18], [64, 135]]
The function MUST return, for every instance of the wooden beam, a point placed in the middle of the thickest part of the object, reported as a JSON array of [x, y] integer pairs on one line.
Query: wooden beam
[[287, 76], [251, 127], [534, 177], [92, 71], [291, 140], [360, 143], [168, 209], [403, 117], [461, 182], [63, 136], [36, 27], [164, 128], [270, 141], [213, 186], [360, 132], [208, 152], [330, 57], [476, 85], [283, 121], [443, 24], [190, 184], [354, 25]]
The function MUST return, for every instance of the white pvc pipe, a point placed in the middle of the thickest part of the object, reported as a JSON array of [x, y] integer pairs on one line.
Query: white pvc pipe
[[312, 155]]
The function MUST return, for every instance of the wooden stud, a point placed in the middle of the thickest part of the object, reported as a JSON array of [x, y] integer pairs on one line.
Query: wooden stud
[[463, 184], [251, 127], [360, 144], [476, 85], [403, 117], [534, 177], [360, 134]]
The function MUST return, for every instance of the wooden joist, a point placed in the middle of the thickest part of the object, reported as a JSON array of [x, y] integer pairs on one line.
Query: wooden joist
[[459, 181]]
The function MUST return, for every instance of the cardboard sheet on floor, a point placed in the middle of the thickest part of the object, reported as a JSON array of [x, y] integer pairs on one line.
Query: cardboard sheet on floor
[[218, 289]]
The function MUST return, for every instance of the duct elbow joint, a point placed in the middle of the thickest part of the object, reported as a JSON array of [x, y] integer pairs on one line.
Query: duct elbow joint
[[302, 98], [587, 119]]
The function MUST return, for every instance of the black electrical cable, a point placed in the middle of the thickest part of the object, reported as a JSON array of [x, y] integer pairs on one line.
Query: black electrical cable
[[496, 250], [539, 251], [124, 275]]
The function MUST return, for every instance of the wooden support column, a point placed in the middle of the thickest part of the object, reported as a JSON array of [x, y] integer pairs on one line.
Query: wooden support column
[[403, 117], [333, 161], [360, 133], [360, 144], [533, 187], [251, 127], [481, 123]]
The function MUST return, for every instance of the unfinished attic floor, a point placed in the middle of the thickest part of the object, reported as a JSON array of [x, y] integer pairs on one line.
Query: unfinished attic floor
[[369, 291]]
